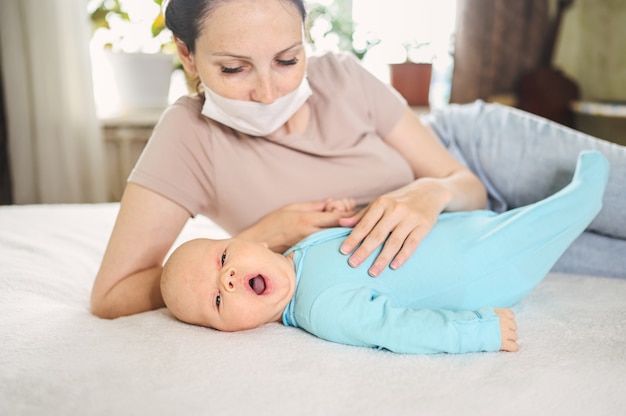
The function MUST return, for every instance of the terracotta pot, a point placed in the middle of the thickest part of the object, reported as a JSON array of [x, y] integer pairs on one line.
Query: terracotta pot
[[412, 80]]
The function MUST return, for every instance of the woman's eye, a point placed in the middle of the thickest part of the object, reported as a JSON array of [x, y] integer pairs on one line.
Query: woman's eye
[[229, 70], [223, 259], [218, 300], [287, 62]]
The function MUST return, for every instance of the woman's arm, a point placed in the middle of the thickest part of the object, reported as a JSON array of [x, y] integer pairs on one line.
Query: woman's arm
[[288, 225], [147, 225], [407, 215], [129, 277]]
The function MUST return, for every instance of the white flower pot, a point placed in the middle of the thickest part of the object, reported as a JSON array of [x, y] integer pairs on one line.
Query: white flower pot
[[142, 80]]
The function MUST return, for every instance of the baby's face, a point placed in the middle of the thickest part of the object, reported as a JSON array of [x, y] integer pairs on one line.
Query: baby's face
[[230, 285]]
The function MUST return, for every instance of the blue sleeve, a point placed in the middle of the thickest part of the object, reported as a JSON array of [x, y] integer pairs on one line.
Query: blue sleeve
[[363, 318]]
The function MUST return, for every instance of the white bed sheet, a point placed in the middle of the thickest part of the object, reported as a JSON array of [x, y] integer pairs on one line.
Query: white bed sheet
[[58, 359]]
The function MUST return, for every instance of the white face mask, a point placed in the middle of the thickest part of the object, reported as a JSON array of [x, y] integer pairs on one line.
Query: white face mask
[[255, 119]]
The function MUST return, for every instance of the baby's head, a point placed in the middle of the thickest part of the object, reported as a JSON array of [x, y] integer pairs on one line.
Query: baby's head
[[230, 285]]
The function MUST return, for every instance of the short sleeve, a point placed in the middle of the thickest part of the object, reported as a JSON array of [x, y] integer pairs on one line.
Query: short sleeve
[[176, 161], [340, 76], [386, 103]]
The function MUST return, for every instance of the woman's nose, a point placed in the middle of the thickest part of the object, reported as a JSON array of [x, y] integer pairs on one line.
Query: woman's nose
[[265, 91]]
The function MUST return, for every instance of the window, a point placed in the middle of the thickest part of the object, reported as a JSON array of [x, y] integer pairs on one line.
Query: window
[[423, 29]]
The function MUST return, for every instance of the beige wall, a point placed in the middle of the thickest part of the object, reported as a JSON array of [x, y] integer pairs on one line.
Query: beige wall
[[592, 48]]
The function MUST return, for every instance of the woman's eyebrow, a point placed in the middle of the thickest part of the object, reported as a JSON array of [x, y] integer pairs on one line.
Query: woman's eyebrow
[[226, 54], [295, 45]]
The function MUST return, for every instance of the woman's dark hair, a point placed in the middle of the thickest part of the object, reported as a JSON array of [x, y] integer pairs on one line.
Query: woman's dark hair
[[185, 17]]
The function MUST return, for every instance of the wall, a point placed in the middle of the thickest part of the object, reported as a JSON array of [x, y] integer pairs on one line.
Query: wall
[[592, 48]]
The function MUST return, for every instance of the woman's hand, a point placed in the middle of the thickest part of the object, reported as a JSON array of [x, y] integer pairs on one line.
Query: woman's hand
[[286, 226], [402, 218]]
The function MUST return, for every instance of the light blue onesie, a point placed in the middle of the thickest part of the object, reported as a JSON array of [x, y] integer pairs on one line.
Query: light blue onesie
[[442, 299]]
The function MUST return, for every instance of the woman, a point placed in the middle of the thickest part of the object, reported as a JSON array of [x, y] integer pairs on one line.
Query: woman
[[274, 129]]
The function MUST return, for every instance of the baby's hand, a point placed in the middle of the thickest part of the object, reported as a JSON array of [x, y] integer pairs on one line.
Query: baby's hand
[[508, 330], [345, 205]]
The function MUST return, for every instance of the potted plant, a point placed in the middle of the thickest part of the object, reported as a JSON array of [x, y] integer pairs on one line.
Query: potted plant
[[330, 27], [138, 50], [412, 74]]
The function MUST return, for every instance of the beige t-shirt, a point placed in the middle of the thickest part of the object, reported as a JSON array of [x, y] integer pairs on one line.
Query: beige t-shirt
[[235, 179]]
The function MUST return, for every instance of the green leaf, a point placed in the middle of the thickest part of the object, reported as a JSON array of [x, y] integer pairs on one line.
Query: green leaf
[[158, 25]]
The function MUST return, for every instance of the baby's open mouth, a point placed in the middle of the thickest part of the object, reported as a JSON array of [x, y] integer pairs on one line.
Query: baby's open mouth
[[257, 284]]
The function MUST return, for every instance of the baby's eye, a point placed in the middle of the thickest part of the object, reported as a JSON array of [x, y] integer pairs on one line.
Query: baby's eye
[[218, 300], [223, 260]]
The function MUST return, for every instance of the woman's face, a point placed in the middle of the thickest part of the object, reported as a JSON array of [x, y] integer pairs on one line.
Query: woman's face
[[250, 50]]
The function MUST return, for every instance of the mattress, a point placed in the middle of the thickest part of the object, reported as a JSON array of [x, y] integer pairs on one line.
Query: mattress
[[58, 359]]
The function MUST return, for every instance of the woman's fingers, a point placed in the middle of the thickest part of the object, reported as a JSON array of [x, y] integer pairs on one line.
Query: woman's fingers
[[366, 220], [394, 226], [352, 220], [400, 245], [408, 247]]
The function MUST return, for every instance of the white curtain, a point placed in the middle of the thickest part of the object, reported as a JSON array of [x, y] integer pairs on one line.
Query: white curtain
[[55, 147]]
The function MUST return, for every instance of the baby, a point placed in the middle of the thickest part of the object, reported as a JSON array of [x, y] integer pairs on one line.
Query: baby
[[441, 300]]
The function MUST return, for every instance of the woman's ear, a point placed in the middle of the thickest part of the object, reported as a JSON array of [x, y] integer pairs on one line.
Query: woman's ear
[[186, 57]]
